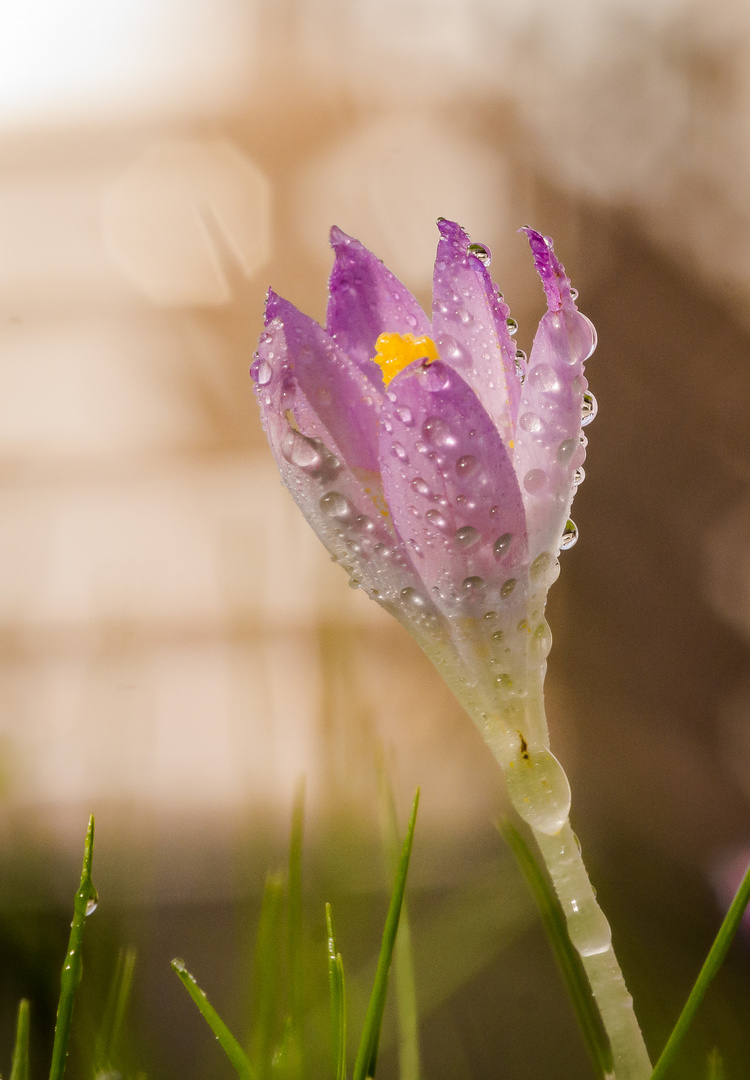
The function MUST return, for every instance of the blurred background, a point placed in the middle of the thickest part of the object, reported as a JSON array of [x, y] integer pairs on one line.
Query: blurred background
[[176, 649]]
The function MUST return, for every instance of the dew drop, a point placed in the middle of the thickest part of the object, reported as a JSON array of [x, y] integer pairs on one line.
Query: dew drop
[[541, 639], [467, 535], [335, 505], [579, 476], [411, 319], [569, 536], [501, 545], [479, 251], [535, 481], [301, 451], [436, 431], [574, 294], [540, 565], [521, 357], [413, 598], [498, 635], [466, 465], [354, 584], [263, 373], [512, 326], [398, 451], [583, 440], [544, 377], [404, 415], [504, 682], [565, 450], [589, 408], [507, 588], [472, 584], [436, 519], [539, 789], [532, 423], [421, 487], [435, 377], [92, 903], [490, 615]]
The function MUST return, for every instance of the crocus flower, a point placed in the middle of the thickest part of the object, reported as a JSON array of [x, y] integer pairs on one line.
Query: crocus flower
[[436, 464]]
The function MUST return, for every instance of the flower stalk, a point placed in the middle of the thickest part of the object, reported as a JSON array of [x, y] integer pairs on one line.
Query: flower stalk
[[438, 466]]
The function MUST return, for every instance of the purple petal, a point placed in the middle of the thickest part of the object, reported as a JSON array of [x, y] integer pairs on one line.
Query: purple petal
[[366, 300], [547, 446], [470, 327], [451, 489], [344, 399], [341, 499]]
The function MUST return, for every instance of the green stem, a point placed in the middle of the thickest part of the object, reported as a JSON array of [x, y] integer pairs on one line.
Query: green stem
[[539, 790]]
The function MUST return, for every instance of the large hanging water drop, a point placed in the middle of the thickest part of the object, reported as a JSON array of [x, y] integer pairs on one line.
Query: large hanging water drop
[[570, 535], [539, 789], [479, 251], [589, 408]]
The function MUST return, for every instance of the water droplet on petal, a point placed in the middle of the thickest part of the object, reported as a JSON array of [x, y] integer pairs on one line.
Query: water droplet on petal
[[466, 465], [404, 415], [335, 505], [398, 451], [504, 682], [566, 450], [569, 536], [589, 408], [579, 476], [92, 903], [421, 487], [436, 431], [512, 326], [501, 545], [535, 481], [540, 565], [574, 294], [413, 598], [507, 588], [472, 584], [480, 252], [436, 519], [543, 377], [467, 535], [263, 373], [301, 450], [541, 639], [532, 423]]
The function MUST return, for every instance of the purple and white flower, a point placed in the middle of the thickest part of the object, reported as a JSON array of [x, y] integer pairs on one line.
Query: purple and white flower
[[435, 463]]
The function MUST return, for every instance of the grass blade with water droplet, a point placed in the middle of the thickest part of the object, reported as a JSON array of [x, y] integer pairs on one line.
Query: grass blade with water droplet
[[338, 999], [108, 1037], [20, 1067], [566, 956], [403, 962], [713, 962], [71, 972], [224, 1036], [368, 1048]]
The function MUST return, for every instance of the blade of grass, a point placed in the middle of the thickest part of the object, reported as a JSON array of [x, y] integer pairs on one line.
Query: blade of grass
[[338, 999], [70, 979], [105, 1051], [566, 956], [20, 1067], [713, 962], [266, 976], [226, 1039], [295, 935], [368, 1048], [403, 962], [715, 1066]]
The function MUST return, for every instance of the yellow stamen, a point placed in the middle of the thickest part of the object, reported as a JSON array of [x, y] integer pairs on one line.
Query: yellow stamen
[[397, 351]]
